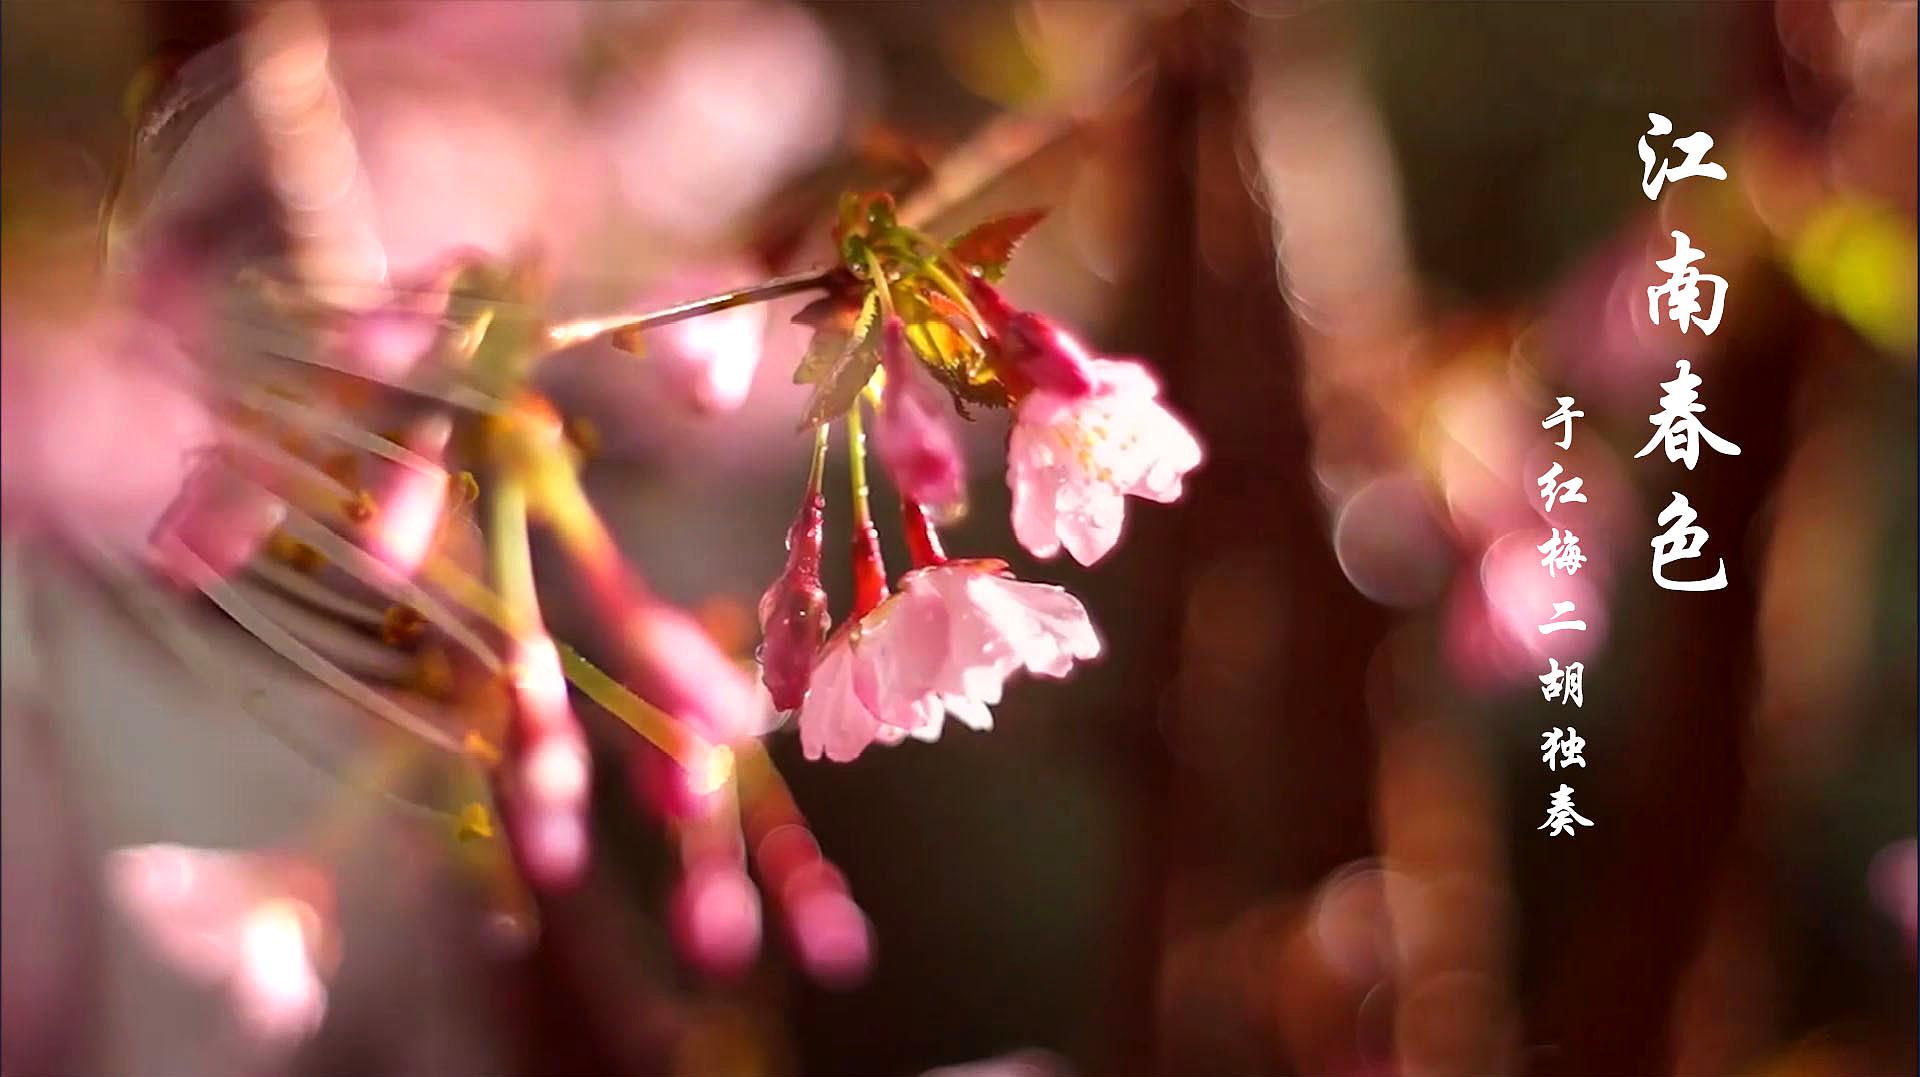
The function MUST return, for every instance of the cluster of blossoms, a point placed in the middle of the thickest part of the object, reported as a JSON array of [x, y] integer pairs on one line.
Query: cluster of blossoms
[[396, 569], [910, 325]]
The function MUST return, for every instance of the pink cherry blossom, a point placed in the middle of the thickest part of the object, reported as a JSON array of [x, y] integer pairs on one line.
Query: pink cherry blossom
[[255, 925], [1071, 463], [104, 421], [913, 432], [945, 643]]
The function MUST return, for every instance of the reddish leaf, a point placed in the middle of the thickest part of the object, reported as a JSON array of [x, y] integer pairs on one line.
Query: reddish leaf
[[987, 246]]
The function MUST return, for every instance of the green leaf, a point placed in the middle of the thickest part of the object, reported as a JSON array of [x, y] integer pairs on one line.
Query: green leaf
[[825, 350], [841, 386], [988, 246], [837, 331], [869, 310]]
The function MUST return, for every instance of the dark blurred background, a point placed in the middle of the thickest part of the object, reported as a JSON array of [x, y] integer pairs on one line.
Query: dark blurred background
[[1287, 823]]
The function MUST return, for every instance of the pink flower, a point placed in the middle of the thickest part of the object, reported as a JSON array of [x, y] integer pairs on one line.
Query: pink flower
[[945, 643], [256, 925], [913, 432], [104, 420], [1071, 463]]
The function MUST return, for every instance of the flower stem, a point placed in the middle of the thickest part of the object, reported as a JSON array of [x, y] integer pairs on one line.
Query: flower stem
[[709, 765], [819, 466], [857, 467], [869, 569], [622, 598], [931, 267], [880, 286], [510, 553], [568, 334]]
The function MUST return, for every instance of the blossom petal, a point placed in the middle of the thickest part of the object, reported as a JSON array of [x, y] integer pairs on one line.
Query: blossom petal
[[1071, 462]]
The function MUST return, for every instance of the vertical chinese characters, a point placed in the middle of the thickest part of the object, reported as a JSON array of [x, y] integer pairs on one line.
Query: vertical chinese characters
[[1561, 553], [1677, 426]]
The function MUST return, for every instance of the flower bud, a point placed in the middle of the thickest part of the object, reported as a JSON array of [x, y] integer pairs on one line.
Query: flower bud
[[913, 437], [1034, 352], [793, 612], [1051, 358]]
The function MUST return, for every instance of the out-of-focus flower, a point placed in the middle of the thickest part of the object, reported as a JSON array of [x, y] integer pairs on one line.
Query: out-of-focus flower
[[257, 925], [102, 425], [674, 664], [547, 769], [1071, 463], [1894, 879], [704, 134], [944, 644], [913, 432], [705, 364], [709, 362], [827, 931], [829, 934], [716, 916]]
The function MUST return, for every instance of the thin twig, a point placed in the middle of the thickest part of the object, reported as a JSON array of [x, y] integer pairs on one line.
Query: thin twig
[[569, 334]]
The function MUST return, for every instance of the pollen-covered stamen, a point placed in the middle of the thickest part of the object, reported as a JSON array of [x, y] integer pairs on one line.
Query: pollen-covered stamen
[[359, 507], [283, 547], [402, 626], [793, 611], [1090, 446]]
